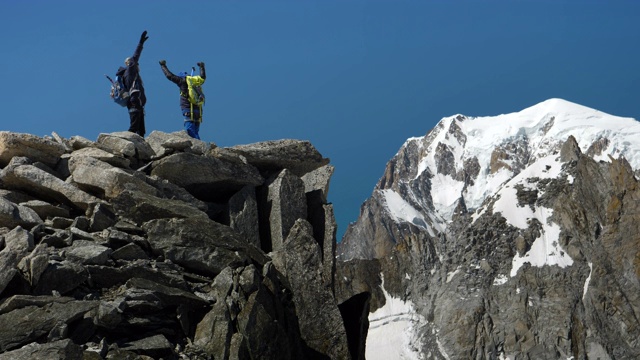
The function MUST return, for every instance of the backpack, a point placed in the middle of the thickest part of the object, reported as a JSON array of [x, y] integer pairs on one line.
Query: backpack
[[195, 95], [119, 93]]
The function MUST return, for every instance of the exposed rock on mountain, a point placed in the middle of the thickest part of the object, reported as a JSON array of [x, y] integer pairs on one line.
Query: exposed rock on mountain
[[508, 237], [166, 247]]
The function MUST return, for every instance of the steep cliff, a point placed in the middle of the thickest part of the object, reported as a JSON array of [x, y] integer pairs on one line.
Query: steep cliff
[[166, 247]]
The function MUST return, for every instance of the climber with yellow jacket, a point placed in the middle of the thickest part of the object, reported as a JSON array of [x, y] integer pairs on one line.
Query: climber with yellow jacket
[[191, 96]]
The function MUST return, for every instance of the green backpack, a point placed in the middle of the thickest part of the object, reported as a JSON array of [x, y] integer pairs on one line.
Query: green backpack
[[196, 95]]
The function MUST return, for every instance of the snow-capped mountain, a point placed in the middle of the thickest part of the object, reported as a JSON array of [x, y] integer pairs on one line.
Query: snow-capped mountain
[[512, 236]]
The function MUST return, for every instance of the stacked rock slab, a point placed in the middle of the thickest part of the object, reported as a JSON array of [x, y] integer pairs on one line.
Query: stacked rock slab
[[166, 247]]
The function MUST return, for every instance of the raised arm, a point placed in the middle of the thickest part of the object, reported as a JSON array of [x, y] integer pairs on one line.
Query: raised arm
[[173, 78], [203, 75], [138, 51]]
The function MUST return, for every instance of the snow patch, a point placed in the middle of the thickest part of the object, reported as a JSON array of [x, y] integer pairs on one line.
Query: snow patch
[[587, 281], [545, 250], [392, 330], [402, 211], [500, 279]]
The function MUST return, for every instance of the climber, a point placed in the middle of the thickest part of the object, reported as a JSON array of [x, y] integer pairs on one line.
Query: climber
[[191, 96], [133, 82]]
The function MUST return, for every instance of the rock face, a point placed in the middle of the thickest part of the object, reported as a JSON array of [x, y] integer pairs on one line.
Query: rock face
[[511, 237], [169, 247]]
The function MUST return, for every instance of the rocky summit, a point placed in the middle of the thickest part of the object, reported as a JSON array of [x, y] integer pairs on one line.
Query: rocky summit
[[169, 248], [508, 237]]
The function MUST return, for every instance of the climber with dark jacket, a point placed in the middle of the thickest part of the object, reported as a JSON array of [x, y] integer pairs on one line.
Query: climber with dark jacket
[[133, 82], [192, 113]]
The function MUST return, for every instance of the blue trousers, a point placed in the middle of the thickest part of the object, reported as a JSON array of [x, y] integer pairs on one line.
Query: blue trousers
[[192, 129]]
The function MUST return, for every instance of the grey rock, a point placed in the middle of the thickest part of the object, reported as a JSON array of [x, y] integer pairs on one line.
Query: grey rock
[[63, 349], [104, 180], [318, 180], [262, 333], [38, 321], [214, 332], [126, 143], [78, 142], [27, 145], [207, 178], [81, 223], [17, 197], [249, 279], [243, 215], [570, 150], [22, 301], [300, 261], [12, 215], [164, 144], [129, 252], [108, 276], [169, 190], [46, 210], [8, 268], [60, 222], [61, 277], [328, 246], [30, 179], [88, 253], [300, 157], [140, 207], [109, 314], [33, 265], [169, 296], [102, 217], [200, 245], [288, 203], [102, 155], [20, 241], [156, 346]]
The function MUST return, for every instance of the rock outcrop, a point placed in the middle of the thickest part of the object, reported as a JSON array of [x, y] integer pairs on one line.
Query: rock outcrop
[[169, 247]]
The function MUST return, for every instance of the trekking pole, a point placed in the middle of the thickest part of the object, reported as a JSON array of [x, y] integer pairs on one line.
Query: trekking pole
[[109, 78]]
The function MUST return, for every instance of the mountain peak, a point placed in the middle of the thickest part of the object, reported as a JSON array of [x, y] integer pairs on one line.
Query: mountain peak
[[528, 215], [557, 106]]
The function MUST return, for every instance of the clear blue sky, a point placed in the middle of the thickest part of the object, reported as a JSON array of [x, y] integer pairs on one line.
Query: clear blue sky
[[356, 78]]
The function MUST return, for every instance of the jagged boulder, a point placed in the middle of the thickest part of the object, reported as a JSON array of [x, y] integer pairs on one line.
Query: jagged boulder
[[30, 146], [287, 203], [201, 245], [300, 157], [164, 144], [140, 207], [103, 179], [102, 155], [35, 181], [127, 144], [12, 215], [243, 215], [60, 349], [318, 181], [46, 210], [37, 321], [207, 178], [299, 260]]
